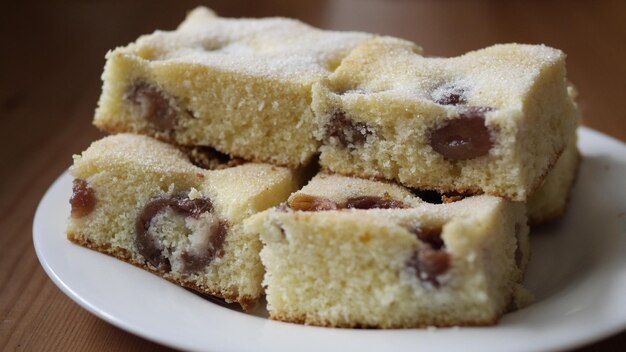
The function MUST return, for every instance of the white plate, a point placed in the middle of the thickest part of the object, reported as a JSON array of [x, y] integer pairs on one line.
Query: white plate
[[577, 272]]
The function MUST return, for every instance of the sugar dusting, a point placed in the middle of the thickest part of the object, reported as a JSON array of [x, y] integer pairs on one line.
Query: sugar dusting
[[498, 76], [275, 47]]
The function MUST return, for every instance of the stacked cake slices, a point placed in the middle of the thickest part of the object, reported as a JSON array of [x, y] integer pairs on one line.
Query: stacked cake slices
[[415, 213]]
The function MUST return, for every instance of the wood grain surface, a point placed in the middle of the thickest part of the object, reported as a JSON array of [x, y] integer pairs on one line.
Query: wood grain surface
[[52, 58]]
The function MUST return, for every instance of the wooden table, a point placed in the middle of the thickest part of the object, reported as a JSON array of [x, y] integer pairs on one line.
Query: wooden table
[[52, 57]]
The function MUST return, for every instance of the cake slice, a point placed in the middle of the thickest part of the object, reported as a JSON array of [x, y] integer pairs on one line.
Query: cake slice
[[491, 121], [348, 252], [241, 86], [144, 202]]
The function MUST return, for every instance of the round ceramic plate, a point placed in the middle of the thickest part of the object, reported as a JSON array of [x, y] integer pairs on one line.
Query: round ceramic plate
[[577, 273]]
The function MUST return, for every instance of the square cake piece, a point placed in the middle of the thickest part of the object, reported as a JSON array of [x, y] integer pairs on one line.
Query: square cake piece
[[241, 86], [144, 202], [348, 252], [491, 121]]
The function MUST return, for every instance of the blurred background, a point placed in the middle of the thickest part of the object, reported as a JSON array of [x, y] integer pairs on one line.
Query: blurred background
[[52, 58]]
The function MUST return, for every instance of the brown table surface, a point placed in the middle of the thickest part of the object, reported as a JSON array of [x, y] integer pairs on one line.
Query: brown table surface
[[52, 56]]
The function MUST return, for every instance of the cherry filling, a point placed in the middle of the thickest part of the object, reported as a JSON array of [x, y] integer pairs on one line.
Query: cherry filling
[[196, 255], [83, 199], [431, 260], [374, 202], [430, 264], [196, 262], [305, 202], [465, 137], [429, 235], [346, 131], [156, 105]]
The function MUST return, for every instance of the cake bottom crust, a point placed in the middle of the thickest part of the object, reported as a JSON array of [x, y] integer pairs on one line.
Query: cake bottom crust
[[439, 323], [247, 302]]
